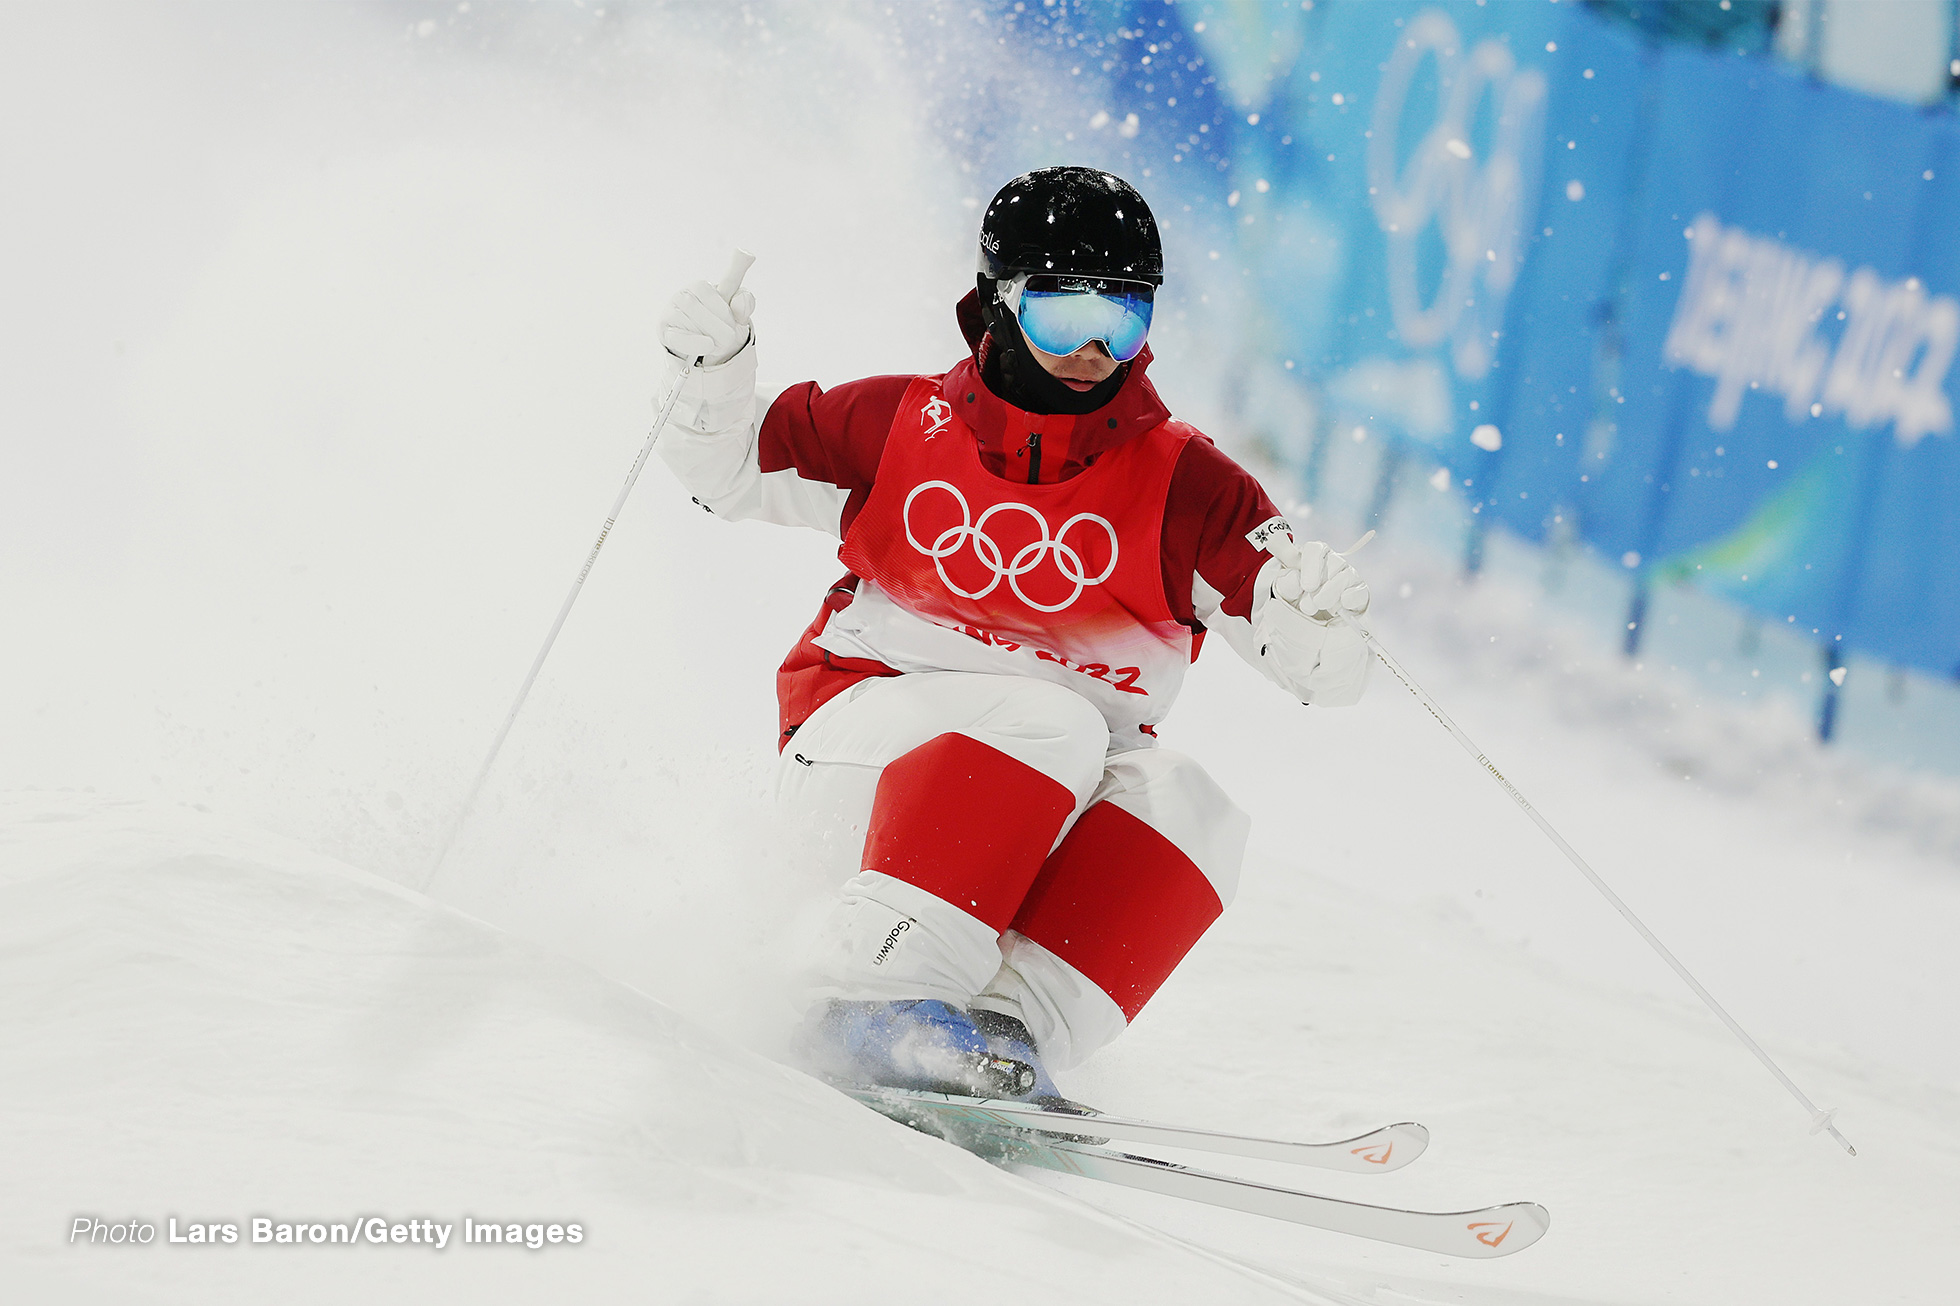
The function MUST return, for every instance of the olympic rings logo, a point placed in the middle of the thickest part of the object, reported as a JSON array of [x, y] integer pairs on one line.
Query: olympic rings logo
[[1479, 207], [1068, 560]]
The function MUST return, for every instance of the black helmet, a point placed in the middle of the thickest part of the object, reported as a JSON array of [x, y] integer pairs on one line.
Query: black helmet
[[1070, 221]]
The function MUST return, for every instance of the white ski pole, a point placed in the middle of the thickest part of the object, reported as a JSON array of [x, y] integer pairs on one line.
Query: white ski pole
[[731, 281], [1819, 1119]]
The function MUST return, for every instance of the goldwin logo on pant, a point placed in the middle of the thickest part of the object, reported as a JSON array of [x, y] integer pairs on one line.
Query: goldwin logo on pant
[[891, 941]]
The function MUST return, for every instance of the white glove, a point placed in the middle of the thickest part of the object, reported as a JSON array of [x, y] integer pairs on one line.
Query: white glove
[[700, 324], [1316, 580], [1300, 643]]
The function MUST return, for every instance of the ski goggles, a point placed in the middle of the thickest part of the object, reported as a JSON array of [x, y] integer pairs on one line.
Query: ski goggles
[[1060, 314]]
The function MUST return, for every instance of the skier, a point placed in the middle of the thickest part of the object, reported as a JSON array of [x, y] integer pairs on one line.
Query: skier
[[1036, 551]]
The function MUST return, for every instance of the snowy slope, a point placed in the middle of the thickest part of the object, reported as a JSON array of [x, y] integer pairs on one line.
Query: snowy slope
[[1409, 945], [302, 450], [212, 1025]]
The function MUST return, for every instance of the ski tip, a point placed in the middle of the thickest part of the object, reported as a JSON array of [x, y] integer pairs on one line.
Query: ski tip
[[1389, 1148], [1411, 1141], [1502, 1230]]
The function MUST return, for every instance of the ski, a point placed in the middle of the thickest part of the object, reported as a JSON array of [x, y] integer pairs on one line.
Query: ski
[[1488, 1232], [1018, 1134], [1376, 1152]]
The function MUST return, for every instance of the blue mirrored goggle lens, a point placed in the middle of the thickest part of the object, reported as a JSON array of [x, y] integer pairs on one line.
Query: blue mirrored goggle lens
[[1061, 322]]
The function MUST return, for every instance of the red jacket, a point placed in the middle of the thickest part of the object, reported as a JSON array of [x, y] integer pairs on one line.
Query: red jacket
[[832, 441]]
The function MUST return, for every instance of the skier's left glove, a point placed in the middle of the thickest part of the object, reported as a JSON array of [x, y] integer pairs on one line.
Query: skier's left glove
[[1302, 641], [1316, 580]]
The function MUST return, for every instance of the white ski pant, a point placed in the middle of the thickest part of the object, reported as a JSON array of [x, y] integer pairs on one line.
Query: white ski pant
[[996, 853]]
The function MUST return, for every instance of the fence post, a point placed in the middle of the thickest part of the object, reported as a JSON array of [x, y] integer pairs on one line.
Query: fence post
[[1827, 709], [1636, 614], [1953, 51]]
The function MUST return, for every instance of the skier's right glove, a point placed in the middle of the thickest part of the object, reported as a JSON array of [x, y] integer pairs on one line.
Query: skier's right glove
[[710, 437], [701, 325]]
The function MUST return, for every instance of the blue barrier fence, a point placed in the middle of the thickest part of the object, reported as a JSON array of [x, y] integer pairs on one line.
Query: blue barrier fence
[[1693, 310]]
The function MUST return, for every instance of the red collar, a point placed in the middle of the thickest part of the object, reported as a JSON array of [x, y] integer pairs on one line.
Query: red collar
[[1024, 446]]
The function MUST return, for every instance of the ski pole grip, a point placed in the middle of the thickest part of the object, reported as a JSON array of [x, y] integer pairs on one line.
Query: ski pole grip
[[738, 267]]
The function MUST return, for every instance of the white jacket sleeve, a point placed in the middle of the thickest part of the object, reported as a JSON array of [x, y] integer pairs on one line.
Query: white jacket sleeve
[[712, 445], [710, 440]]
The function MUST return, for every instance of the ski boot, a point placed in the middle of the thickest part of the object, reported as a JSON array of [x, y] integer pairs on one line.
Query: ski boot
[[920, 1044], [1009, 1038]]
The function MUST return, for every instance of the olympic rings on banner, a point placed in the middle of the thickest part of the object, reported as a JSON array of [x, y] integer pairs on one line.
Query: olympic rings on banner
[[1029, 556], [1477, 193]]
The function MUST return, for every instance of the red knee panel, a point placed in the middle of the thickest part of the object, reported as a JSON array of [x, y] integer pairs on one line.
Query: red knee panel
[[1120, 903], [966, 823]]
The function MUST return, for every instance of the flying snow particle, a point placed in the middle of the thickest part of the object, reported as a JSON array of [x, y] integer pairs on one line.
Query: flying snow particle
[[1441, 480], [1629, 560], [1457, 147], [1487, 438], [1837, 675], [1100, 121], [1129, 127], [1575, 190]]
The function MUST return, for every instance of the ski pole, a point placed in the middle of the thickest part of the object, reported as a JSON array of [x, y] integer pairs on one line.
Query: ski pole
[[1819, 1119], [731, 281]]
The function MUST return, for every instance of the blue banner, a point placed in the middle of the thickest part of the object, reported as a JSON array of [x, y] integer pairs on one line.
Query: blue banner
[[1692, 309]]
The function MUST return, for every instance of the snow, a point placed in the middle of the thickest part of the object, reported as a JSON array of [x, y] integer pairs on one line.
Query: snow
[[209, 1024], [328, 346]]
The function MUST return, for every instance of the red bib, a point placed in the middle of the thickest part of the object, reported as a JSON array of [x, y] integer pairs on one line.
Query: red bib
[[1069, 574]]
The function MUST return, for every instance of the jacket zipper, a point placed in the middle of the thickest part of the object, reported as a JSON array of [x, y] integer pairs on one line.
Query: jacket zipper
[[1034, 457]]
